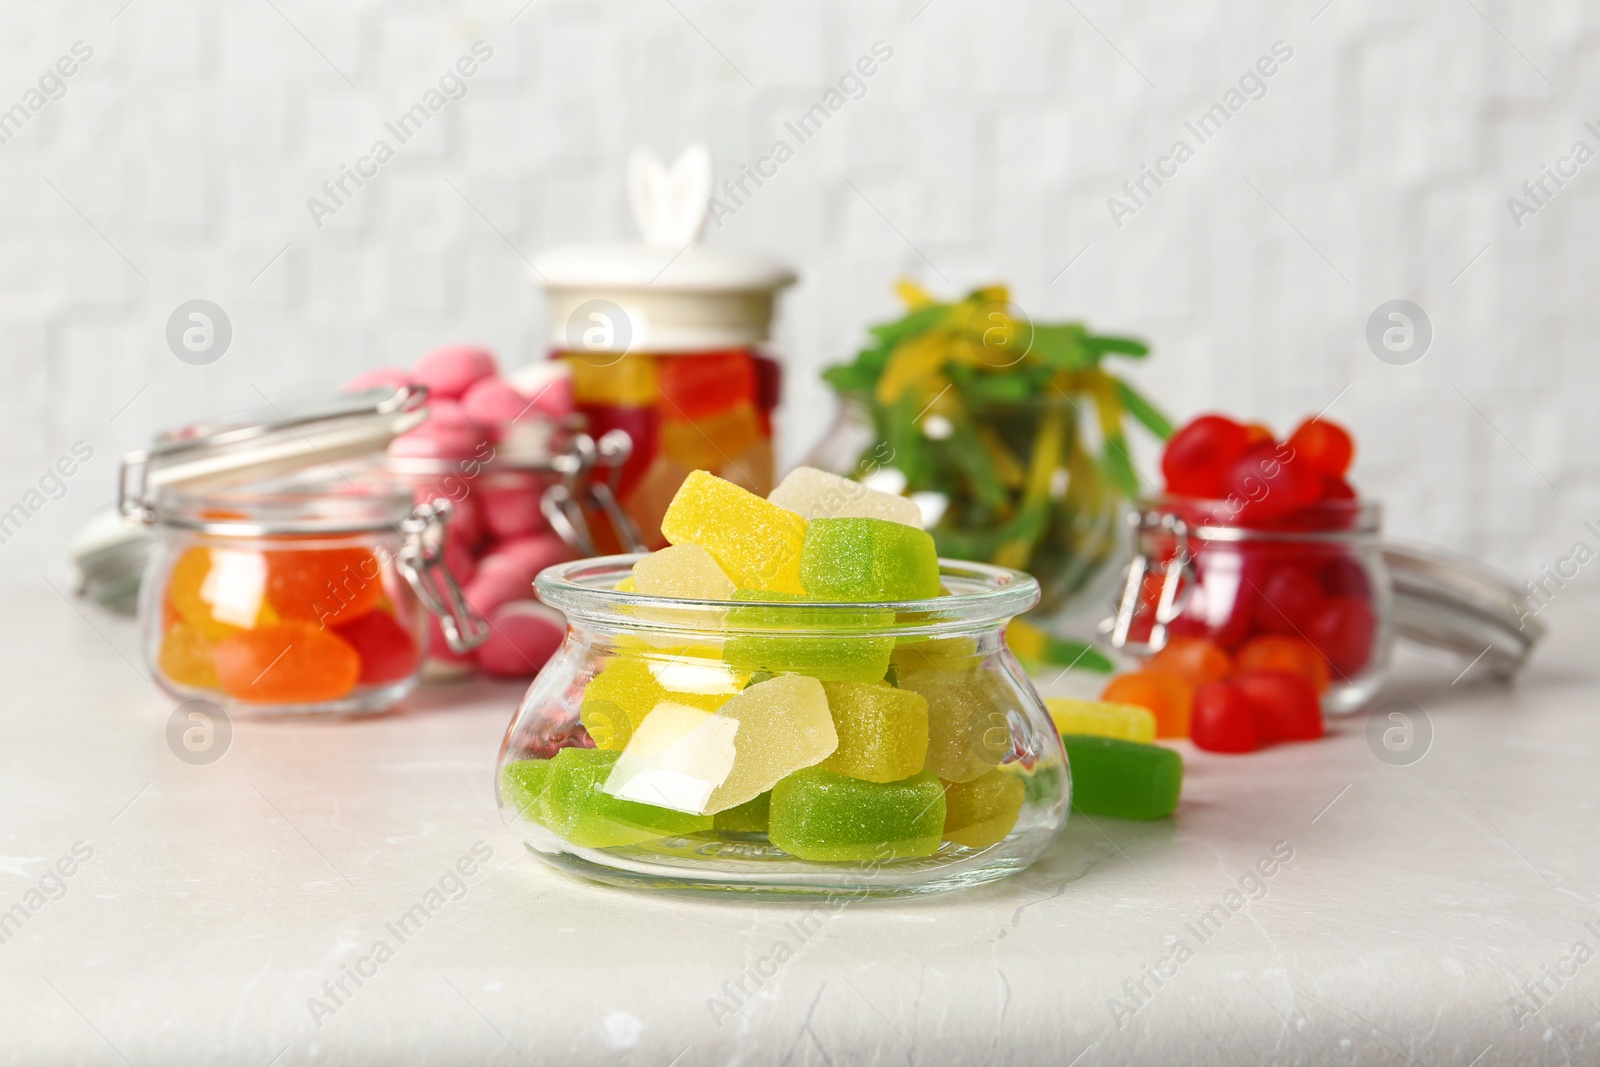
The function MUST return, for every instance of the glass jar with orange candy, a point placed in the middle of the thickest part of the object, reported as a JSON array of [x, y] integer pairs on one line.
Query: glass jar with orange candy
[[1261, 556], [290, 574]]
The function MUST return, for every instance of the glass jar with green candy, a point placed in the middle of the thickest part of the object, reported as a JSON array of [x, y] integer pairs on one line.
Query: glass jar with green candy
[[789, 699]]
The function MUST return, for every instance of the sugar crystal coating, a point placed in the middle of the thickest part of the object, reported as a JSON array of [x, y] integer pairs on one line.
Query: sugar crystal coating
[[816, 494], [826, 649], [819, 815], [757, 544], [883, 731], [572, 804], [1123, 779], [968, 722], [783, 725], [1102, 718], [982, 812], [684, 571], [868, 559]]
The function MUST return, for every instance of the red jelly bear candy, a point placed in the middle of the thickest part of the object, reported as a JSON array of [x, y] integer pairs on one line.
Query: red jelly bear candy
[[328, 586], [1200, 454], [291, 662], [387, 650]]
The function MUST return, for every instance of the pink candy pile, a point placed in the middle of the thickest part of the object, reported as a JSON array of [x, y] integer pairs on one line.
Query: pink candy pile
[[498, 539]]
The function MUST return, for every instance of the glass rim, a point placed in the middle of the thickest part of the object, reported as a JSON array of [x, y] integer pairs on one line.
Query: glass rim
[[981, 596], [1208, 519]]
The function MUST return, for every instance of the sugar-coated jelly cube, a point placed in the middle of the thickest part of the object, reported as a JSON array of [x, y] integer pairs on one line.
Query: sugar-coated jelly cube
[[783, 725], [868, 559], [629, 687], [684, 571], [953, 655], [816, 494], [521, 783], [831, 656], [185, 657], [969, 730], [573, 805], [1123, 779], [1102, 718], [290, 662], [756, 543], [819, 815], [747, 818], [675, 759], [982, 812], [883, 731]]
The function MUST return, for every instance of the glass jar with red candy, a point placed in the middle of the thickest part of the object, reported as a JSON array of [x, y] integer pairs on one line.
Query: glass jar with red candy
[[664, 341]]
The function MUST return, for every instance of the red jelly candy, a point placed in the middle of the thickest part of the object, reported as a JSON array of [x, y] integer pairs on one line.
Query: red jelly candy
[[1289, 600], [1199, 456], [1284, 704], [1343, 631], [1268, 482], [697, 386], [327, 586], [291, 662], [1324, 445], [1223, 719], [388, 652], [1336, 489]]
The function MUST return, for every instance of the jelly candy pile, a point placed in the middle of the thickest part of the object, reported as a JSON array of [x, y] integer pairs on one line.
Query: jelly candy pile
[[498, 539], [837, 748], [1269, 625], [291, 626], [1116, 770]]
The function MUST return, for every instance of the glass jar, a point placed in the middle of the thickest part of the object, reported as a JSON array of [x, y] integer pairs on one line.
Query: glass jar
[[278, 587], [664, 340], [1318, 576], [784, 748]]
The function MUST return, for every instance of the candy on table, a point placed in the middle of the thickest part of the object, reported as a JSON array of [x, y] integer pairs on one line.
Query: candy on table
[[675, 758], [783, 725], [982, 812], [450, 371], [751, 817], [868, 559], [220, 591], [630, 686], [1196, 660], [757, 544], [949, 654], [521, 783], [1123, 779], [1284, 705], [1033, 646], [834, 656], [387, 650], [1167, 696], [684, 571], [289, 662], [1101, 718], [327, 586], [573, 804], [1224, 719], [1281, 652], [815, 494], [968, 725], [883, 731], [185, 657], [523, 634], [819, 815]]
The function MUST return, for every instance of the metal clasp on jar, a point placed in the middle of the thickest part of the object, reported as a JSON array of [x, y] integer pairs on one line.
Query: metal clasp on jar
[[1177, 579], [562, 502], [421, 561]]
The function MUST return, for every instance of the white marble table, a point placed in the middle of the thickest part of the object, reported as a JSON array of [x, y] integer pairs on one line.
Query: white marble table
[[216, 900]]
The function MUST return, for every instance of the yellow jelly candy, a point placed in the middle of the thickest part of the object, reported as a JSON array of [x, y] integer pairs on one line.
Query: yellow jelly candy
[[982, 812], [630, 687], [220, 591], [953, 655], [883, 731], [968, 721], [684, 571], [1102, 718], [185, 658], [756, 543]]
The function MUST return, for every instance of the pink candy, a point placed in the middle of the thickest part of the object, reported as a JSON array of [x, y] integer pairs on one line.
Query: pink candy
[[522, 635], [492, 402], [450, 371]]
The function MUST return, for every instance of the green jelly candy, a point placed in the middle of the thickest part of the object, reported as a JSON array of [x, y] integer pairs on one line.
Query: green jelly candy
[[573, 805], [883, 731], [1123, 779], [833, 656], [868, 559], [820, 815], [748, 818], [521, 783]]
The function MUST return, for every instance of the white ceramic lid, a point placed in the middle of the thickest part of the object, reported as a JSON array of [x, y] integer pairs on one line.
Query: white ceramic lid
[[669, 293]]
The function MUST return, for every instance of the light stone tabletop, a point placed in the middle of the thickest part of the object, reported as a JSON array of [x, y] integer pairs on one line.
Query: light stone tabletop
[[1310, 904]]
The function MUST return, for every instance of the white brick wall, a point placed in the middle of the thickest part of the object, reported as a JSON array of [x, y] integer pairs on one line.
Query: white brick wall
[[990, 142]]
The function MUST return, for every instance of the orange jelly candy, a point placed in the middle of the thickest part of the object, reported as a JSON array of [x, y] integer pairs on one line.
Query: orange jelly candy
[[291, 662], [219, 591], [1196, 660], [1285, 652], [328, 586], [185, 657], [1167, 696]]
